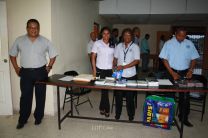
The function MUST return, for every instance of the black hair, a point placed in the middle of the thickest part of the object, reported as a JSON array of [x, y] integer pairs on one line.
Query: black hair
[[180, 29], [147, 35], [135, 28], [102, 30], [115, 30], [128, 30], [33, 21]]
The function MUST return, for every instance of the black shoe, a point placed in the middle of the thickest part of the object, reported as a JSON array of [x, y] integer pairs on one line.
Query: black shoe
[[107, 114], [20, 125], [117, 117], [37, 122], [187, 123], [131, 118], [102, 112]]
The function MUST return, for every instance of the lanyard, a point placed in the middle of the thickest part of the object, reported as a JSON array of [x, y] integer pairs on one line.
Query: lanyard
[[125, 53]]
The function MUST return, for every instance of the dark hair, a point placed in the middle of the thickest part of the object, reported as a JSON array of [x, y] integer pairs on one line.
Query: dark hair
[[115, 30], [180, 29], [147, 35], [135, 28], [127, 30], [102, 30], [33, 21]]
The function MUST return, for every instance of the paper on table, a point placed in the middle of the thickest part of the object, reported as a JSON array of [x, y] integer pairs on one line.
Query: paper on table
[[164, 82], [66, 78]]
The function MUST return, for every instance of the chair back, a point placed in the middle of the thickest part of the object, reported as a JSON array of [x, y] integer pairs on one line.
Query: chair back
[[71, 73], [200, 78]]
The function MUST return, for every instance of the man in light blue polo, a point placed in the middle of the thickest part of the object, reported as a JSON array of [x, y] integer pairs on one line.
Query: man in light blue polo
[[179, 57]]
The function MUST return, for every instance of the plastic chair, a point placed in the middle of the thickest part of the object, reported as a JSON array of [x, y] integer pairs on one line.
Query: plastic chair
[[198, 103]]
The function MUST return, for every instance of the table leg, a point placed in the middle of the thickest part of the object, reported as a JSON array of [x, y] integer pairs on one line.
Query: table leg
[[71, 102], [58, 107], [183, 114]]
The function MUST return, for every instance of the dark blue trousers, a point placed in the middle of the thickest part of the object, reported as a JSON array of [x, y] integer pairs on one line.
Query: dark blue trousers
[[28, 77]]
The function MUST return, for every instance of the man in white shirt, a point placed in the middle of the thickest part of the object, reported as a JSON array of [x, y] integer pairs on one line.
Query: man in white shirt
[[93, 38], [126, 58]]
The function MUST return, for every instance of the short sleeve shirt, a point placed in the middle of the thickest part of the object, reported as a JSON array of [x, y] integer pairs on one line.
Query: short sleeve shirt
[[89, 46], [179, 54], [104, 53], [144, 46], [32, 54], [132, 53]]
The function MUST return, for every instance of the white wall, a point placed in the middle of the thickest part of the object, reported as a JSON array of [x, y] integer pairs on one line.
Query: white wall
[[67, 23], [72, 22], [19, 11]]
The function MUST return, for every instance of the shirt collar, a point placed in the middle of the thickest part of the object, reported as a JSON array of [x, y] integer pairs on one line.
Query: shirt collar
[[104, 43], [178, 41], [128, 44]]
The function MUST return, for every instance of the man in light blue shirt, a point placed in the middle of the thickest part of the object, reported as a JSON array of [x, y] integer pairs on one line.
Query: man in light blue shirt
[[179, 57], [33, 49], [145, 51]]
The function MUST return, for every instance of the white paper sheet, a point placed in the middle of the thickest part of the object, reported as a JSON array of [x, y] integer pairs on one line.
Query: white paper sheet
[[66, 78], [164, 82]]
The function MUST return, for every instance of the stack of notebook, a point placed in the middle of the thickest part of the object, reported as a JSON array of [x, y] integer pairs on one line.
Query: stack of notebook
[[84, 78]]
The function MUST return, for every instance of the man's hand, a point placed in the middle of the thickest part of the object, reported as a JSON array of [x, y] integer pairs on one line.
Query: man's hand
[[175, 76], [48, 68], [94, 74], [189, 74], [120, 67], [17, 70]]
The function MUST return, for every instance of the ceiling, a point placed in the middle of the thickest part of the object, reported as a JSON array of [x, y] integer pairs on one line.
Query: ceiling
[[172, 19]]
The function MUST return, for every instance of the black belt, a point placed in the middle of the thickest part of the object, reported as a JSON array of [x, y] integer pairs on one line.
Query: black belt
[[33, 69], [180, 71]]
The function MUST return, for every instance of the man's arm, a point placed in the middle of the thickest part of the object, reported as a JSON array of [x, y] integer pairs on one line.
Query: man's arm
[[15, 65], [190, 71], [50, 65], [133, 63], [93, 59], [172, 73], [115, 61]]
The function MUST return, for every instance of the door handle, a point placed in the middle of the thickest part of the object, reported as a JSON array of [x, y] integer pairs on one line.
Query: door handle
[[5, 60]]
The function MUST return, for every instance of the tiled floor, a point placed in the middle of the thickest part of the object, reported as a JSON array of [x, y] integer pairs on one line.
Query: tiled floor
[[75, 128]]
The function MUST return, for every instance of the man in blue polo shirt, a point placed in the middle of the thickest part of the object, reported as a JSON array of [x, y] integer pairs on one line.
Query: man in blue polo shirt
[[33, 49], [179, 57]]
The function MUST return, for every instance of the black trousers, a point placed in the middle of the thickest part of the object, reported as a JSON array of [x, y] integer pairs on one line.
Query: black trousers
[[182, 102], [28, 77], [145, 61], [130, 106], [104, 102]]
